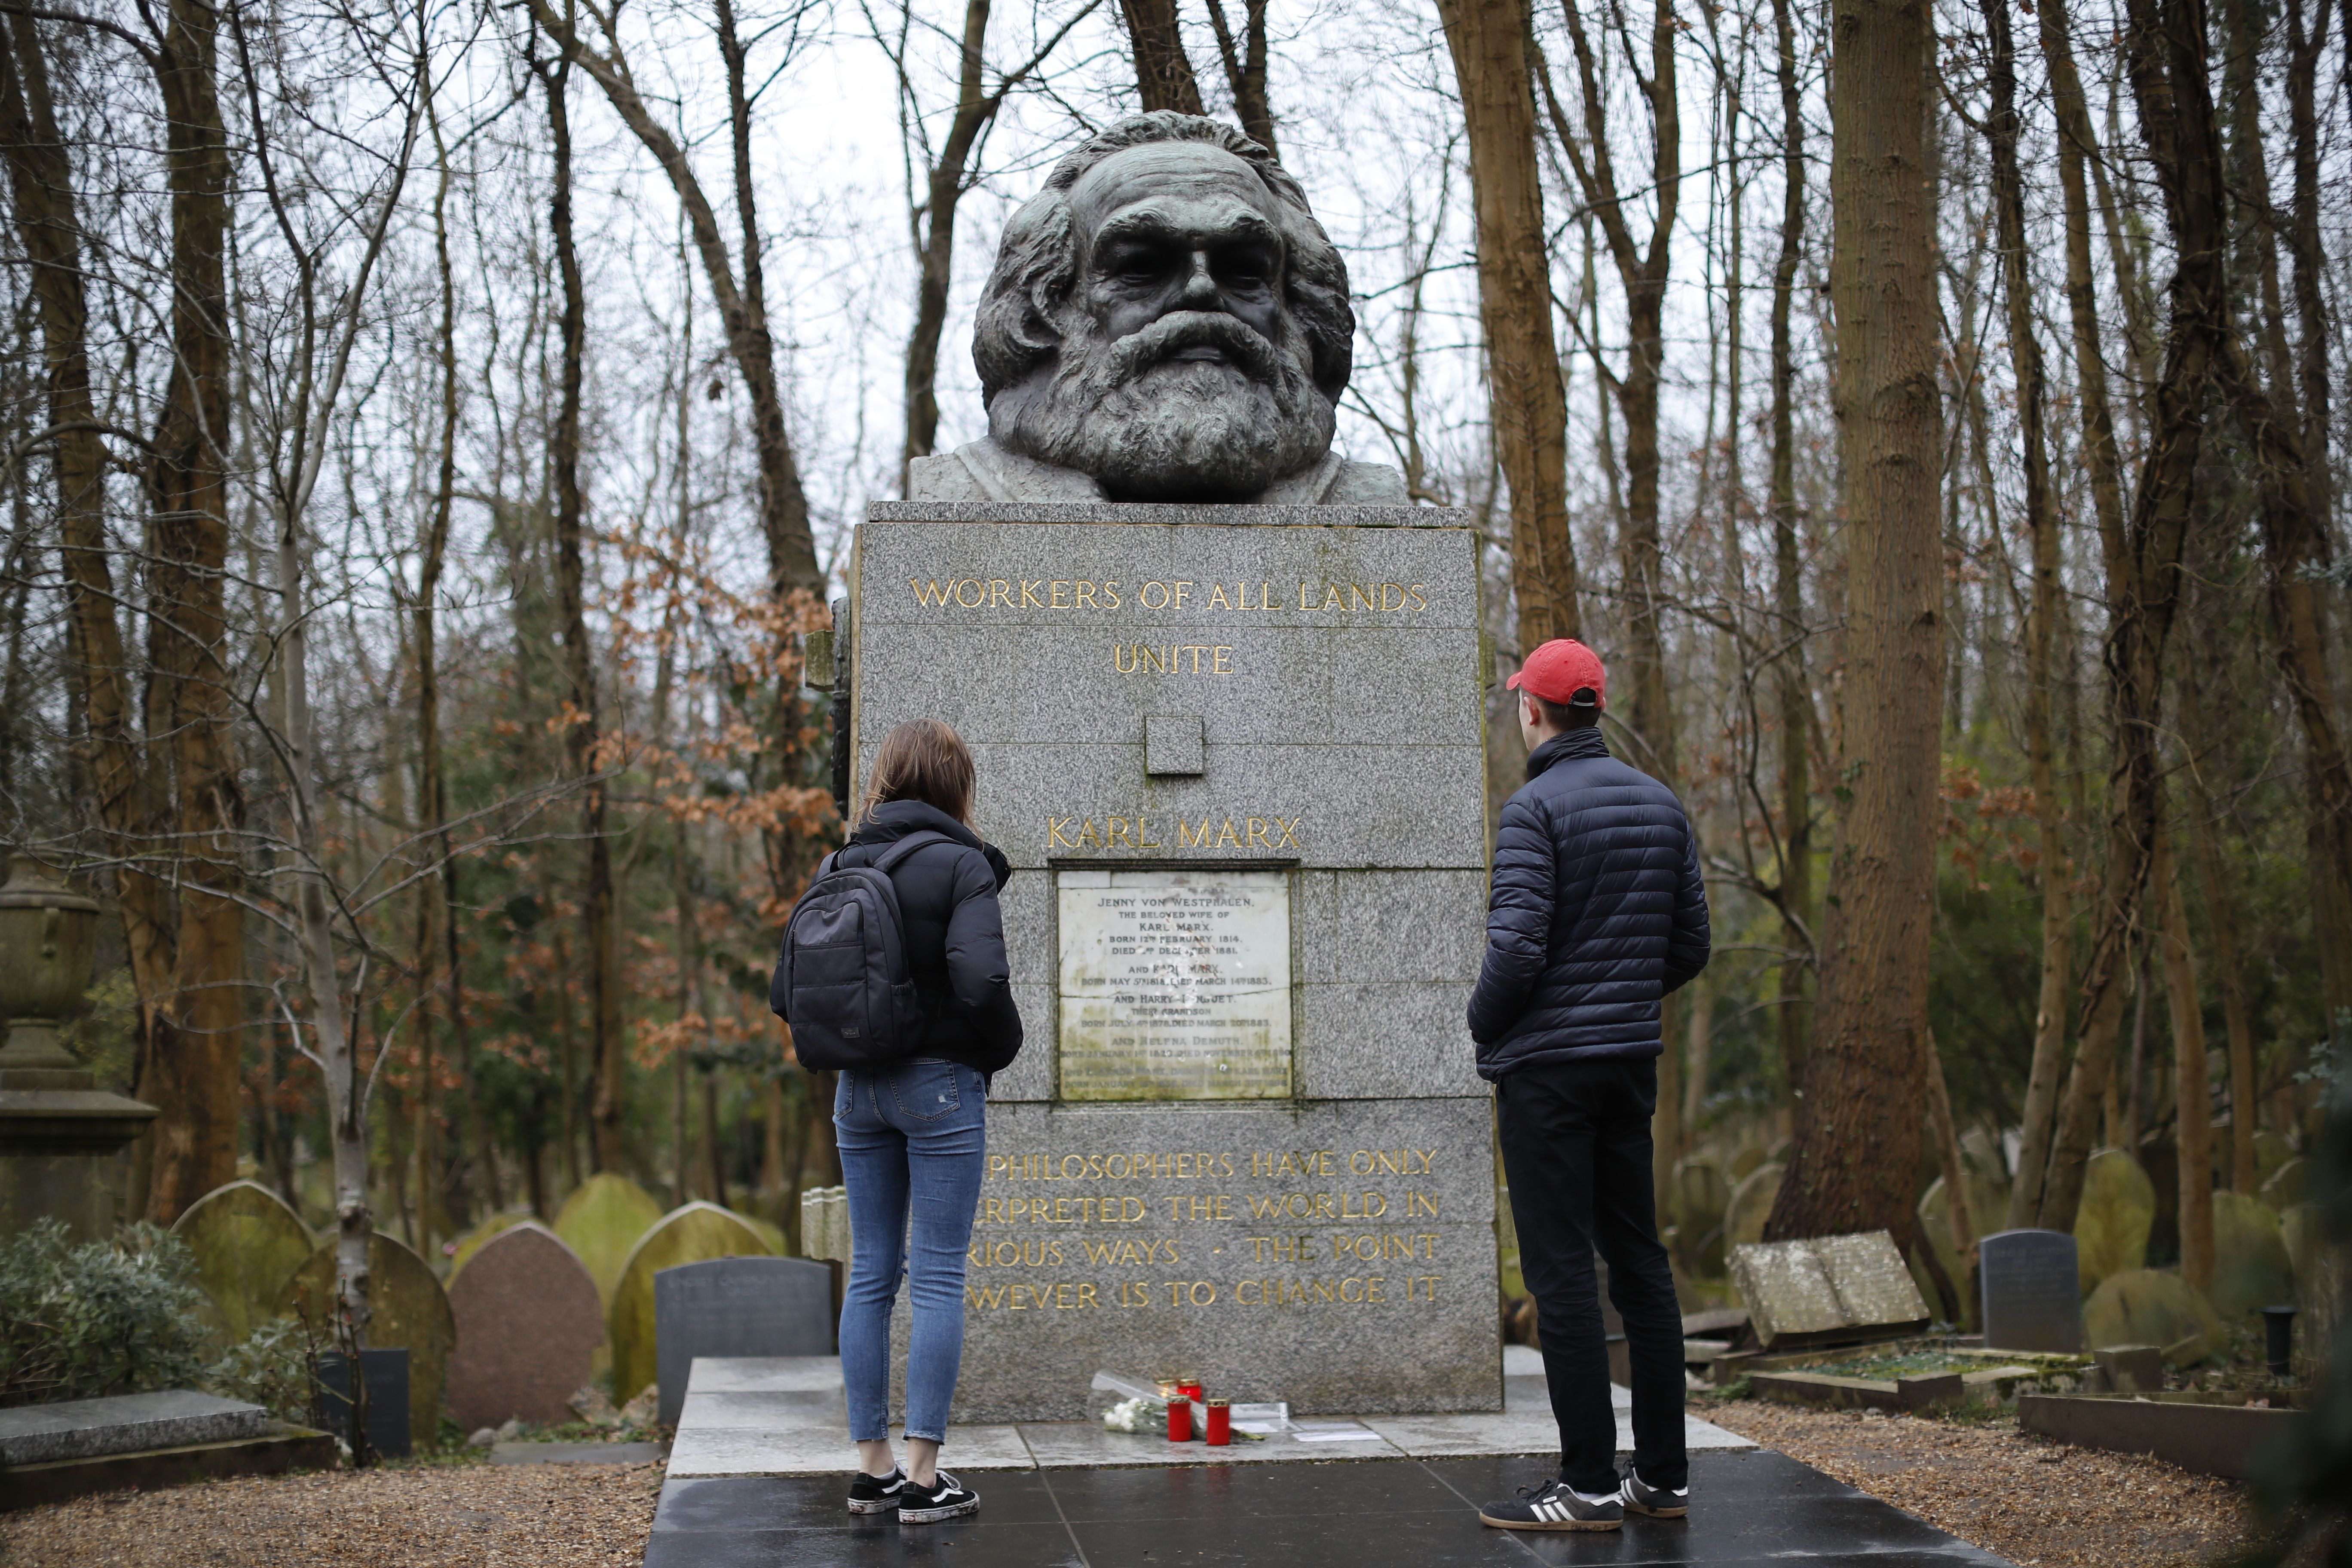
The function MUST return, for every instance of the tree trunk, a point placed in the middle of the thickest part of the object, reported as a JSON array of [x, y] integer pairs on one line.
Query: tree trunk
[[196, 1052], [1490, 44], [2221, 917], [1857, 1125], [1163, 71], [2165, 48], [2053, 864], [934, 227], [1945, 1134], [1794, 1012], [2194, 1090], [1245, 68]]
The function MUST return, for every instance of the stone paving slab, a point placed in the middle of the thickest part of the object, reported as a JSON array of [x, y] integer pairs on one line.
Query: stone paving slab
[[124, 1424], [576, 1453]]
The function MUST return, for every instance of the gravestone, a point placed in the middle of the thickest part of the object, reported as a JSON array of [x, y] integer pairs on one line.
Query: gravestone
[[772, 1234], [2284, 1188], [824, 1223], [462, 1250], [695, 1233], [2251, 1267], [2031, 1291], [408, 1309], [1700, 1199], [2146, 1307], [1984, 1155], [1751, 1206], [737, 1307], [247, 1242], [1986, 1208], [528, 1321], [1827, 1291], [603, 1218], [390, 1395], [2113, 1222]]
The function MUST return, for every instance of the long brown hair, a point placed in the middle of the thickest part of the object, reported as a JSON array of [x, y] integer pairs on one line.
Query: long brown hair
[[923, 760]]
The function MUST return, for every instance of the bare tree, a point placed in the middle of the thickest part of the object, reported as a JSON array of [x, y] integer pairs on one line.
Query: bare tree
[[1163, 71]]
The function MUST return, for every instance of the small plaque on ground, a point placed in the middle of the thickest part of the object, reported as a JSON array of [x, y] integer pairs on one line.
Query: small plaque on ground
[[1175, 984]]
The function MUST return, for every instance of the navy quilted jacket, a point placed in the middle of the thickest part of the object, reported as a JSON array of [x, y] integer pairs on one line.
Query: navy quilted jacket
[[1598, 912]]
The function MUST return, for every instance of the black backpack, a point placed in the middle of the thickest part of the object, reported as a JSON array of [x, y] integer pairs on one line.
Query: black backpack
[[842, 981]]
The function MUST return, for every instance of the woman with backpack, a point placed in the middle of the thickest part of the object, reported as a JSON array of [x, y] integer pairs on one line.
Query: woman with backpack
[[894, 970]]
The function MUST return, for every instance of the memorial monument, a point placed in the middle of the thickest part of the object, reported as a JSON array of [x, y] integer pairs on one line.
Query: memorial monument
[[1223, 689]]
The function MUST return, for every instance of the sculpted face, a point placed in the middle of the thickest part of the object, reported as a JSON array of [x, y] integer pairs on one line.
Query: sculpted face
[[1183, 373]]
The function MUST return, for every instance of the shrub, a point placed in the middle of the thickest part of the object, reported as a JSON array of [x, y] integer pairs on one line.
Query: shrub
[[106, 1317], [271, 1369]]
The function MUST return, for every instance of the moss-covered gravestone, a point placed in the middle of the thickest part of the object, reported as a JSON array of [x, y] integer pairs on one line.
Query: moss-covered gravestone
[[1987, 1214], [2271, 1151], [248, 1243], [693, 1234], [2146, 1306], [407, 1309], [2112, 1223], [471, 1242], [2251, 1268], [2283, 1189], [1751, 1203], [772, 1234], [604, 1217]]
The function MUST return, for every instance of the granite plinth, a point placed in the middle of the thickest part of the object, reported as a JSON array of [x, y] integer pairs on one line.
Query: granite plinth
[[90, 1428]]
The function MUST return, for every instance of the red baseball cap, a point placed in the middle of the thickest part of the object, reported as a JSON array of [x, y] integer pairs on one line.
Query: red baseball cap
[[1559, 669]]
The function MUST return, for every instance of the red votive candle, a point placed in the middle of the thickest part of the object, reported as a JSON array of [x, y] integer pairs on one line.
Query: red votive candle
[[1190, 1387], [1221, 1424], [1179, 1420]]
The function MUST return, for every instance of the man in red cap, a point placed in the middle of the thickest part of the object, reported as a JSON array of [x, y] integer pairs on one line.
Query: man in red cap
[[1597, 912]]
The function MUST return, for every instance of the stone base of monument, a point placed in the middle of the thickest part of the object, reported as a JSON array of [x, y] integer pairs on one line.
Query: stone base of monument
[[787, 1416], [278, 1450], [2215, 1440]]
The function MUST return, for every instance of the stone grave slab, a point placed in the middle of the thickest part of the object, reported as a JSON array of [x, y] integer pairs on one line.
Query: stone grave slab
[[1751, 1206], [604, 1217], [696, 1233], [2147, 1306], [2251, 1268], [2031, 1294], [737, 1307], [2119, 1210], [123, 1423], [248, 1243], [409, 1310], [1826, 1289], [528, 1321]]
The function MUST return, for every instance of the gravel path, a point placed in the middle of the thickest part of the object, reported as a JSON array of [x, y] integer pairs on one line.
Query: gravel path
[[478, 1515], [2044, 1504]]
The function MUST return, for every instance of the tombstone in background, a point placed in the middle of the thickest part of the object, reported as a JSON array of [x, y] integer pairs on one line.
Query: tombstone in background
[[1751, 1204], [529, 1321], [1701, 1199], [603, 1218], [2032, 1295], [737, 1307], [2251, 1267], [824, 1223], [391, 1425], [462, 1250], [2146, 1306], [2112, 1221], [693, 1234], [1986, 1157], [1828, 1289], [1986, 1206], [248, 1243], [2271, 1151], [408, 1309], [773, 1235], [2284, 1188]]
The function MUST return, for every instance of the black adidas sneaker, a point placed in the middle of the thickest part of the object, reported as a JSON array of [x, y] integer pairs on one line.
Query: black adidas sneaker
[[946, 1498], [1554, 1505], [877, 1494], [1639, 1497]]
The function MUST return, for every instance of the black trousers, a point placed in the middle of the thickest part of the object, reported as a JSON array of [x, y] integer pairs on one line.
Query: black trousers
[[1576, 1151]]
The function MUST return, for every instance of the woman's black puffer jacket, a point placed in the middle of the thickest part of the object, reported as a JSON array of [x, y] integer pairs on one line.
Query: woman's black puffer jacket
[[953, 930]]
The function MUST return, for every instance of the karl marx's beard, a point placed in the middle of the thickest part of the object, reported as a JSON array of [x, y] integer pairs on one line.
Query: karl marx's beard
[[1151, 427]]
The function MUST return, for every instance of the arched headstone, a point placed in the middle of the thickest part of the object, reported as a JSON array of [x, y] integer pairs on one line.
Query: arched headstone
[[407, 1309], [693, 1234], [248, 1243], [1751, 1203], [2144, 1307], [529, 1321], [2112, 1223], [2251, 1267], [604, 1217], [462, 1250]]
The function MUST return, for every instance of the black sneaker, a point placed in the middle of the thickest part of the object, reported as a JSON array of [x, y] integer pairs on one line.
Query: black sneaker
[[1553, 1506], [877, 1494], [947, 1498], [1639, 1497]]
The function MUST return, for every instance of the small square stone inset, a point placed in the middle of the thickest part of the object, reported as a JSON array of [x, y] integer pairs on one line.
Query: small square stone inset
[[1172, 745]]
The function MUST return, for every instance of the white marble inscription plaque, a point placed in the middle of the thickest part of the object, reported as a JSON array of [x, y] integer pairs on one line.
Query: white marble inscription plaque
[[1175, 984]]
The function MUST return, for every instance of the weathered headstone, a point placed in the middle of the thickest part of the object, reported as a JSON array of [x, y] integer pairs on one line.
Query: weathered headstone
[[247, 1242], [1750, 1206], [2271, 1151], [1748, 1157], [528, 1321], [603, 1218], [1701, 1197], [2146, 1306], [408, 1309], [1827, 1289], [1984, 1155], [773, 1235], [462, 1250], [2112, 1223], [391, 1398], [2031, 1291], [824, 1223], [696, 1233], [2251, 1267], [1986, 1206], [2284, 1188], [737, 1307]]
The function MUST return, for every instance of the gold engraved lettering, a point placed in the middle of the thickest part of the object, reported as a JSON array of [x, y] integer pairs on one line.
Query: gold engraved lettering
[[1227, 839], [1181, 587], [1417, 1204], [1141, 828], [1217, 600], [1145, 599], [1110, 593], [1302, 596], [1085, 596], [1029, 599], [1054, 838], [977, 586], [1218, 663], [1265, 596], [1332, 597], [1289, 831], [1360, 600], [1057, 598], [1125, 656], [1115, 830], [1418, 604], [1087, 837], [933, 594], [1257, 834], [1000, 591]]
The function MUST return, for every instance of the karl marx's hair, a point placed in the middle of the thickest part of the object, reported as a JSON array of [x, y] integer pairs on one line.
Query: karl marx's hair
[[1037, 263]]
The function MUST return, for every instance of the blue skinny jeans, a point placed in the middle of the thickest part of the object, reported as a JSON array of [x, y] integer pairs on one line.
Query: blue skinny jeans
[[913, 1142]]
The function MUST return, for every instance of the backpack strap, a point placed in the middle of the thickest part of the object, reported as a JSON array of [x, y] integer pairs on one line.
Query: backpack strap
[[920, 838]]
